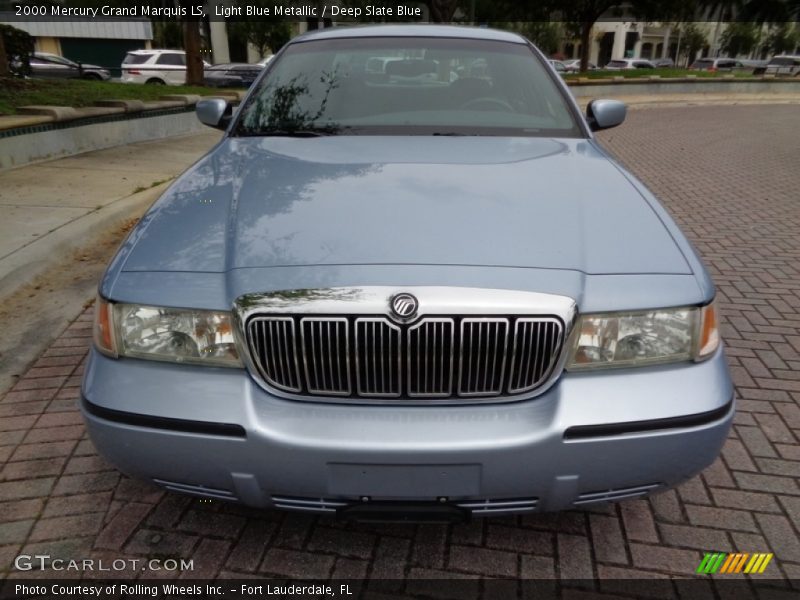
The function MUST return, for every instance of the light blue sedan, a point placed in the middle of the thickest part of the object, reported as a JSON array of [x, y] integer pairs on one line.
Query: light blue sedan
[[403, 294]]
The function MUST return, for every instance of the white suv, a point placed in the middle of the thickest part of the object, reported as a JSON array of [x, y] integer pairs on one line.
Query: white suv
[[628, 64], [161, 67], [784, 65]]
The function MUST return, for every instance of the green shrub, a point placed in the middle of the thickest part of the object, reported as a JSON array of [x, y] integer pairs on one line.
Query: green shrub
[[18, 47]]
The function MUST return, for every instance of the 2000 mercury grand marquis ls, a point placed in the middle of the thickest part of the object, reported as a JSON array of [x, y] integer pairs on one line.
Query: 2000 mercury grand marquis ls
[[408, 281]]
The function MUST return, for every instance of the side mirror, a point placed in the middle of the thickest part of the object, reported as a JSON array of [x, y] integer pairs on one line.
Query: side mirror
[[602, 114], [214, 112]]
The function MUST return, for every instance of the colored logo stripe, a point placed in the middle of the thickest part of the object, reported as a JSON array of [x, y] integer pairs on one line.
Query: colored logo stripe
[[711, 562], [737, 562]]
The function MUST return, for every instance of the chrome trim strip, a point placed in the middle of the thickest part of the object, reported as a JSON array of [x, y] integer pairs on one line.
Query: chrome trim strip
[[433, 301]]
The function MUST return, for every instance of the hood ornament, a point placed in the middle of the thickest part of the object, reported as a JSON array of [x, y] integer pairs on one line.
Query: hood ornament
[[404, 306]]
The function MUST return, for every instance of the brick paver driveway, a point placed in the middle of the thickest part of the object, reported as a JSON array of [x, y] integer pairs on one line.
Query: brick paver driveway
[[730, 175]]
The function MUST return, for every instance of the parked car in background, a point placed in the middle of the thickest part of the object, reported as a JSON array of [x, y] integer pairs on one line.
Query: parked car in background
[[663, 63], [265, 61], [156, 67], [628, 64], [46, 65], [713, 65], [238, 75], [785, 65], [408, 297], [754, 64], [574, 65], [558, 65]]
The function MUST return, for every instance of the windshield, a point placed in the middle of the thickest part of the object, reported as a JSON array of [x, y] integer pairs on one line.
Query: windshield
[[135, 59], [54, 59], [407, 86], [783, 61]]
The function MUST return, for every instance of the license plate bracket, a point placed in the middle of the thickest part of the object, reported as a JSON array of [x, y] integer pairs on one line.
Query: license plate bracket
[[396, 482]]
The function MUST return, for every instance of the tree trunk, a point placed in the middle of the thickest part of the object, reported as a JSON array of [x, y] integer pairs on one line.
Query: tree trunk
[[191, 43], [586, 33], [4, 70]]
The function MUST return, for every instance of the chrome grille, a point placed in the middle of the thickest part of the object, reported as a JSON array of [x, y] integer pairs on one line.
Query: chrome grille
[[435, 358]]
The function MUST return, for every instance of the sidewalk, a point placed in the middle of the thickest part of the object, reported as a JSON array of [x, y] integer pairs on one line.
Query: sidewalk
[[61, 221], [49, 208]]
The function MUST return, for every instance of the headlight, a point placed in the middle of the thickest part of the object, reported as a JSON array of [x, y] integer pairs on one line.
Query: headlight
[[644, 338], [168, 334]]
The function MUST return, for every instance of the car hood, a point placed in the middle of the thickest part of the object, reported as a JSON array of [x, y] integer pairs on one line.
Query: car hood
[[372, 200]]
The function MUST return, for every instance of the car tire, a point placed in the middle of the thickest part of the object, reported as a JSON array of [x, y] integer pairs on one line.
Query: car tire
[[92, 77], [155, 81]]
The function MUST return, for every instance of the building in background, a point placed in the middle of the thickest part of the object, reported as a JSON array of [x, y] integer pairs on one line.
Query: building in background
[[102, 43]]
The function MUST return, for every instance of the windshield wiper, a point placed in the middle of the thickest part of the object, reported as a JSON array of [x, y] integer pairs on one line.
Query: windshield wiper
[[291, 132], [300, 133], [297, 132]]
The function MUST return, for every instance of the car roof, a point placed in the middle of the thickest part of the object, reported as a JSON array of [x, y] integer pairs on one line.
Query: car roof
[[442, 31], [154, 51]]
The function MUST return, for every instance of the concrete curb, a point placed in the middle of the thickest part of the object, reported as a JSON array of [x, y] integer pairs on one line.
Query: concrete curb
[[47, 132], [27, 263], [56, 113], [637, 102], [113, 128], [687, 87]]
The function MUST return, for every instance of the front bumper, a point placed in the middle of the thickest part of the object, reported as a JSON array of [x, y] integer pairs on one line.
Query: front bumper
[[591, 437]]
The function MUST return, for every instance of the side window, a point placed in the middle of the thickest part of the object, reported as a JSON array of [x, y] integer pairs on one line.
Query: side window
[[171, 59]]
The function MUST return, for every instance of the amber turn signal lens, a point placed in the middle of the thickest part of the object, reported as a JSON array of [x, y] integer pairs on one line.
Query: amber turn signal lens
[[709, 331], [104, 327]]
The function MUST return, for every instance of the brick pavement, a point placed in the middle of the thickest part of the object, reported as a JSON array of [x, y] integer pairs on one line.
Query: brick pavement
[[730, 177]]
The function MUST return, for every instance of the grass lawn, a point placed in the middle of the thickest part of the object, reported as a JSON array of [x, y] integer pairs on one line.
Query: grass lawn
[[76, 92], [665, 73]]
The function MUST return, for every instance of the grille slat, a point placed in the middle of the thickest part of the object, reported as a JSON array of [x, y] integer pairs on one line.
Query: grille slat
[[482, 340], [421, 382], [273, 341], [434, 358], [377, 351], [321, 337], [536, 347]]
